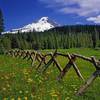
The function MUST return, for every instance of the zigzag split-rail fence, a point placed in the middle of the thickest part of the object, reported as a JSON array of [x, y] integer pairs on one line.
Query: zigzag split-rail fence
[[43, 64]]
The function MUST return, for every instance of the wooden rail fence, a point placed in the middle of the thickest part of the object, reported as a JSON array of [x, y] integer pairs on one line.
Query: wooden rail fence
[[43, 64]]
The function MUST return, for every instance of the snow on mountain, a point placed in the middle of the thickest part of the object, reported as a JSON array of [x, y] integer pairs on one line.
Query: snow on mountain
[[40, 26]]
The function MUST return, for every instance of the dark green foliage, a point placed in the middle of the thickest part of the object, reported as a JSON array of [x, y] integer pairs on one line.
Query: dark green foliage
[[1, 49], [1, 22], [75, 36]]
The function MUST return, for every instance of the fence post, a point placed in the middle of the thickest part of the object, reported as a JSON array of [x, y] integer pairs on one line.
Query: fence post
[[88, 82]]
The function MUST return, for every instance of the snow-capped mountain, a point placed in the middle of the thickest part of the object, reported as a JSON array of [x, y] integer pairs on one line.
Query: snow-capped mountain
[[40, 26]]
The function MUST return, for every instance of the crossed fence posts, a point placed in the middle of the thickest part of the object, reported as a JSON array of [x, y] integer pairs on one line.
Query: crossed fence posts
[[94, 75], [41, 58]]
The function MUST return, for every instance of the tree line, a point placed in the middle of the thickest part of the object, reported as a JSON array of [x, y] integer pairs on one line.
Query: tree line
[[65, 37]]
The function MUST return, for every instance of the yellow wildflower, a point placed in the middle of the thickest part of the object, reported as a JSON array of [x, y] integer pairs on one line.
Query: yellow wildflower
[[8, 85], [26, 98], [4, 88], [25, 72], [67, 98], [48, 72], [53, 93], [19, 98], [29, 80], [12, 99], [4, 98]]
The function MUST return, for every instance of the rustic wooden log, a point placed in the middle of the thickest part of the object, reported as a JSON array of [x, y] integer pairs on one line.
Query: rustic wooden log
[[23, 54], [17, 53], [26, 55], [31, 55], [51, 61], [42, 61], [34, 56], [45, 56], [66, 69], [96, 63], [37, 68], [8, 53], [38, 57], [45, 67], [53, 64], [57, 64], [88, 83], [75, 67], [33, 59], [12, 53], [20, 54], [60, 54], [83, 57], [91, 59], [78, 71]]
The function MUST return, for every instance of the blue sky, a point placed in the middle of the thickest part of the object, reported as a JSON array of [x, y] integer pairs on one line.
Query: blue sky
[[18, 13]]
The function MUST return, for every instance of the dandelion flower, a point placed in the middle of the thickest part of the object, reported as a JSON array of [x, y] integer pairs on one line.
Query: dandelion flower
[[8, 85], [54, 95], [4, 88], [67, 98], [12, 99], [25, 72], [29, 80], [4, 98], [26, 98], [48, 72], [19, 98]]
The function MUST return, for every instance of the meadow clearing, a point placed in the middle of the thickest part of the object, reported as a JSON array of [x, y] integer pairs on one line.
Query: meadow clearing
[[20, 81]]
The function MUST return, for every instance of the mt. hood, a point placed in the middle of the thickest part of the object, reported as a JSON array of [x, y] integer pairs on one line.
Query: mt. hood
[[40, 26]]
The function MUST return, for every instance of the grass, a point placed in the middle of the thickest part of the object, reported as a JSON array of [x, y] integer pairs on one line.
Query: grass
[[19, 81]]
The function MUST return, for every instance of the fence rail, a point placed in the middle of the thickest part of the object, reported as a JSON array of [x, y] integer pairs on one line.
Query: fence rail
[[43, 64]]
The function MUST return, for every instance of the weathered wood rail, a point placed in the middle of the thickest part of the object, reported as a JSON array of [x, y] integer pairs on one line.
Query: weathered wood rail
[[44, 64]]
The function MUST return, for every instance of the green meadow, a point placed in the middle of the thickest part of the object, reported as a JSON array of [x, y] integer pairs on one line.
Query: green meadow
[[20, 81]]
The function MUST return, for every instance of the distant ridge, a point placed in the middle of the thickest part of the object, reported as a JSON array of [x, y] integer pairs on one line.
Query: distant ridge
[[41, 25]]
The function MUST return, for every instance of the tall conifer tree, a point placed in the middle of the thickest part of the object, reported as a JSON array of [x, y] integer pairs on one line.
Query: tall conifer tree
[[1, 22]]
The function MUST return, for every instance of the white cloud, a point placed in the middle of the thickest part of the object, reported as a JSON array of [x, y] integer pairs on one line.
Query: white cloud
[[94, 19], [80, 7]]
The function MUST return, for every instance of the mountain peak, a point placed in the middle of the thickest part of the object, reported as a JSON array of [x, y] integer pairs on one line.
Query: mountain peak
[[41, 25], [43, 19]]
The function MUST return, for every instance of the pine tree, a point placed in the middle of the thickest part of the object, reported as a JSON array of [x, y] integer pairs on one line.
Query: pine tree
[[1, 22]]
